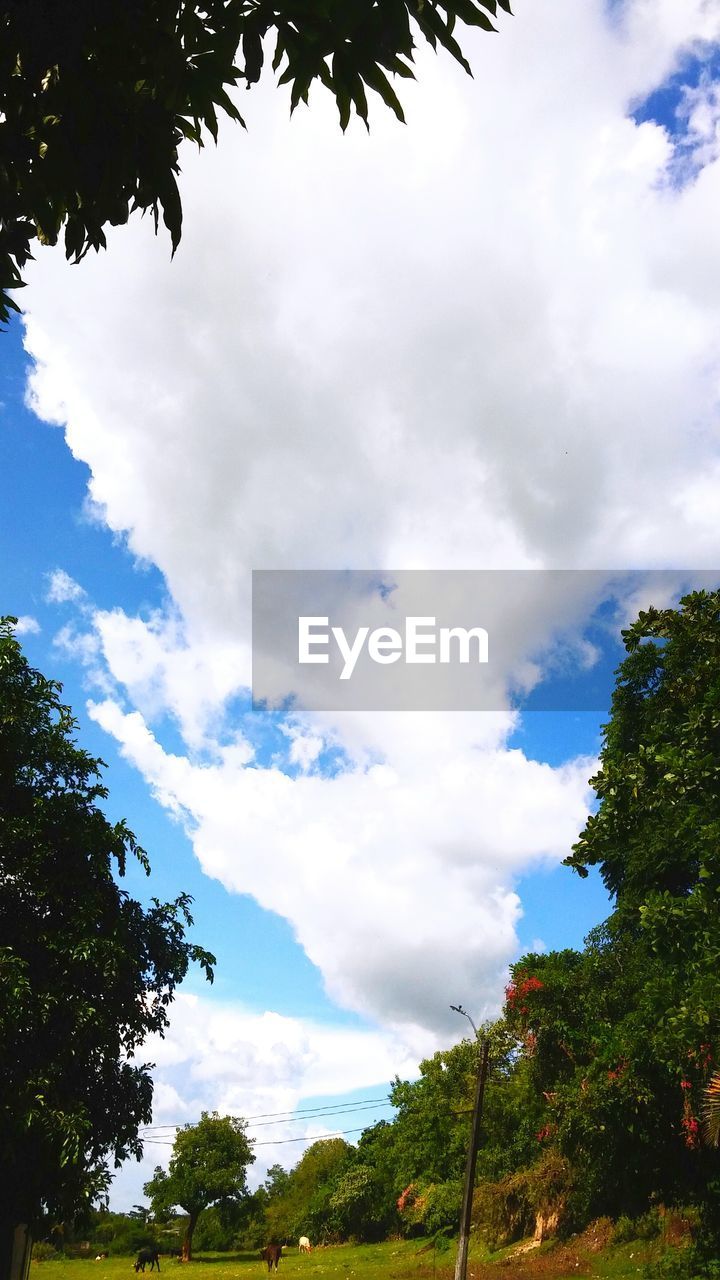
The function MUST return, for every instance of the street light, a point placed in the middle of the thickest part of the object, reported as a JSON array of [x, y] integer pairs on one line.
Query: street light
[[457, 1008], [466, 1215]]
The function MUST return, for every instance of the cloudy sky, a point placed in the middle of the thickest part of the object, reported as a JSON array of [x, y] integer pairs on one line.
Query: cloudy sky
[[487, 339]]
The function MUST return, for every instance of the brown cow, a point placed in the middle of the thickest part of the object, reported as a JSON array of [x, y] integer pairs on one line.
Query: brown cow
[[272, 1254]]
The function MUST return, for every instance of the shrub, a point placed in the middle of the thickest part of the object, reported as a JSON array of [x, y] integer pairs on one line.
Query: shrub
[[442, 1240], [647, 1227], [427, 1208], [683, 1264], [442, 1208], [624, 1230], [43, 1251], [212, 1234], [132, 1240]]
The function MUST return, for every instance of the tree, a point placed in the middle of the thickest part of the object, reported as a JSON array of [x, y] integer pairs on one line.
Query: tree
[[208, 1167], [302, 1205], [656, 835], [621, 1037], [86, 973], [357, 1204], [95, 99]]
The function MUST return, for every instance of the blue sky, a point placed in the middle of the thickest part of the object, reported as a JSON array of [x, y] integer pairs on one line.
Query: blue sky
[[320, 380], [45, 526]]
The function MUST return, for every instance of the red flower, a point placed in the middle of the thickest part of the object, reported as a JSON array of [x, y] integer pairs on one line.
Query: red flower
[[692, 1130], [518, 991]]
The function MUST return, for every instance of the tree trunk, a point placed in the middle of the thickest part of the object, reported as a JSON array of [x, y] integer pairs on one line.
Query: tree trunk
[[187, 1242], [15, 1250]]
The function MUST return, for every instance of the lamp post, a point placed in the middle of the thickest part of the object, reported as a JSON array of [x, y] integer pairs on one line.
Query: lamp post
[[466, 1215]]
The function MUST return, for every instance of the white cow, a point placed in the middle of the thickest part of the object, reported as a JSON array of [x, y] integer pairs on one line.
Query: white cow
[[304, 1245]]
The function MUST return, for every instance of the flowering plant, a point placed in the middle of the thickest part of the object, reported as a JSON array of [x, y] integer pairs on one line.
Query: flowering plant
[[406, 1196], [516, 993]]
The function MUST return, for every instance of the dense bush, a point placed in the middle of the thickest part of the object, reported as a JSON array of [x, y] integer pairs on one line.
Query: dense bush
[[683, 1264], [43, 1251], [429, 1208], [213, 1233], [647, 1227], [131, 1240]]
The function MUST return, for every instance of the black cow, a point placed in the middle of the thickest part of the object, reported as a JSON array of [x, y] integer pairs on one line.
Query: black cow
[[147, 1255], [272, 1254]]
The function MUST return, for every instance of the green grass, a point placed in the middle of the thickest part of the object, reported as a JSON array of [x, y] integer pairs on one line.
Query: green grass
[[338, 1262], [392, 1260]]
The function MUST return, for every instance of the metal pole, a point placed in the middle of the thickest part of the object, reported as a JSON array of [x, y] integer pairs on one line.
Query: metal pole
[[466, 1217]]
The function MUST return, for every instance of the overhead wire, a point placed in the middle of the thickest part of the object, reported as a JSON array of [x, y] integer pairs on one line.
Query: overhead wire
[[279, 1117], [273, 1142]]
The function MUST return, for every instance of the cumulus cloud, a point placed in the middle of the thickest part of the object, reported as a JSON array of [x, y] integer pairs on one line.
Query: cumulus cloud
[[487, 340], [62, 589], [27, 626], [396, 878], [226, 1058], [455, 344]]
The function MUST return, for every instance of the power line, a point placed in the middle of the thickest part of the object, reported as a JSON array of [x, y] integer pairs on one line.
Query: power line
[[298, 1111], [277, 1117], [260, 1124], [272, 1142], [277, 1142]]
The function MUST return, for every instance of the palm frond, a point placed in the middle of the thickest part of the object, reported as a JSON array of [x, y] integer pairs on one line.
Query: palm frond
[[711, 1111]]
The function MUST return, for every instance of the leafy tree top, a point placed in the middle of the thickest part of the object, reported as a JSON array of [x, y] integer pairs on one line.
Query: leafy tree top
[[620, 1038], [657, 829], [86, 973], [208, 1166], [96, 98]]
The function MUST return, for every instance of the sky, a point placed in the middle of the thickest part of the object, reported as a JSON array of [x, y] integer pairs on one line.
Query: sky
[[487, 339]]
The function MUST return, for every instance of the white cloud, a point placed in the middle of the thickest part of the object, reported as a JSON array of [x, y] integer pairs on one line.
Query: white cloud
[[27, 626], [304, 747], [396, 878], [225, 1058], [487, 340], [450, 344], [161, 672], [62, 589]]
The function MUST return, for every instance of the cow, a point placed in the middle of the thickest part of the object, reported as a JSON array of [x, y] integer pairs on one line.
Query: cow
[[272, 1254], [304, 1245], [147, 1255]]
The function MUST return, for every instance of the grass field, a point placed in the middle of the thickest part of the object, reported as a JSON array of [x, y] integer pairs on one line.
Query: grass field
[[394, 1260]]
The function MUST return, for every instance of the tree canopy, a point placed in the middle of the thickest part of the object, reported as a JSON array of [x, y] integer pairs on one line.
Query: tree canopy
[[95, 99], [621, 1037], [208, 1166], [86, 973]]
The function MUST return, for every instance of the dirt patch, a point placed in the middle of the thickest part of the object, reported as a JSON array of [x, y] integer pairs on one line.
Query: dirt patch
[[527, 1261]]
